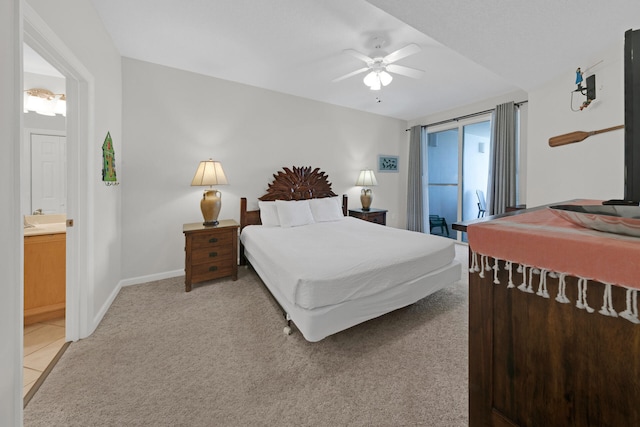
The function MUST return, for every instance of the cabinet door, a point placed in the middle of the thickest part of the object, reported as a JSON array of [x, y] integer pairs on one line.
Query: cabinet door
[[44, 270]]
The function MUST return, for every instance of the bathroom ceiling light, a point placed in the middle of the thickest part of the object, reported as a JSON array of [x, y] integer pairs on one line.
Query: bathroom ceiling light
[[45, 102]]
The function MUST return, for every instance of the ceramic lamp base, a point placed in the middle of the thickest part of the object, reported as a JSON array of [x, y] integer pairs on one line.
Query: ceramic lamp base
[[365, 198], [210, 206]]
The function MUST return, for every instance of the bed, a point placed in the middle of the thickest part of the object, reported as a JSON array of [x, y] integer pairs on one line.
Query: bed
[[328, 271]]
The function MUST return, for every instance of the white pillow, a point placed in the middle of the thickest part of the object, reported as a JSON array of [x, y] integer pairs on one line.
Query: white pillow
[[269, 214], [326, 209], [293, 213]]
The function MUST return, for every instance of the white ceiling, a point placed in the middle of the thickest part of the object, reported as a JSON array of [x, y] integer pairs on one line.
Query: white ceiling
[[34, 63], [483, 49]]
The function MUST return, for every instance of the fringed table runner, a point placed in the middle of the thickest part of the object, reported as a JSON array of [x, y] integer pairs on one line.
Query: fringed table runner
[[541, 243]]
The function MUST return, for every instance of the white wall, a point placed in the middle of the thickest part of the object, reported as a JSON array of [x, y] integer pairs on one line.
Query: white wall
[[37, 121], [594, 167], [590, 169], [10, 226], [173, 119], [78, 25], [482, 105]]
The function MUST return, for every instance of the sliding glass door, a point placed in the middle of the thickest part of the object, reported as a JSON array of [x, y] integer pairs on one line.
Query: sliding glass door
[[475, 168], [443, 179], [457, 170]]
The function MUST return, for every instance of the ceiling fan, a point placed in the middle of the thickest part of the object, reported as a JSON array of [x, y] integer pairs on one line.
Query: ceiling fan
[[380, 66]]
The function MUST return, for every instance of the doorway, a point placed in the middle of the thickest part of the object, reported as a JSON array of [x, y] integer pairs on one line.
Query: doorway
[[79, 88], [44, 199], [458, 172]]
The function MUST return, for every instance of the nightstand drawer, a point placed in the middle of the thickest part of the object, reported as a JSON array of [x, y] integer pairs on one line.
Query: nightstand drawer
[[207, 240], [203, 272], [211, 254], [377, 218]]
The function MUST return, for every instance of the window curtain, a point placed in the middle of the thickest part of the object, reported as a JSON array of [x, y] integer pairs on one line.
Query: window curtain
[[416, 193], [502, 166]]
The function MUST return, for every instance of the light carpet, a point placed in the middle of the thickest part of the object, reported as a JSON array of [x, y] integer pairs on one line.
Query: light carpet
[[217, 357]]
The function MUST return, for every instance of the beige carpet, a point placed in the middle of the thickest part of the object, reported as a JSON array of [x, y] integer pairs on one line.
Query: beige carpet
[[217, 357]]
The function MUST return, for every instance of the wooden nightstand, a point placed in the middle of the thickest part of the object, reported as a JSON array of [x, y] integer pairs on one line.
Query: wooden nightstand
[[210, 252], [378, 216]]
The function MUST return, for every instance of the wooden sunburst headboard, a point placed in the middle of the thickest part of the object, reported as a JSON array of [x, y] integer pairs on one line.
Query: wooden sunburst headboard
[[297, 183]]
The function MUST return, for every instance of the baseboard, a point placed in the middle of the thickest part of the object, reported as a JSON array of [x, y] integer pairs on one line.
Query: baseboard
[[103, 310], [151, 278], [41, 314]]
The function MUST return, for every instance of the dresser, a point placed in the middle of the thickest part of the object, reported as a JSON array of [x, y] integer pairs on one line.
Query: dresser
[[210, 252], [378, 216], [545, 351]]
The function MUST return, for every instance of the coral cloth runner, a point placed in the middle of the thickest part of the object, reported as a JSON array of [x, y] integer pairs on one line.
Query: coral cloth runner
[[542, 239]]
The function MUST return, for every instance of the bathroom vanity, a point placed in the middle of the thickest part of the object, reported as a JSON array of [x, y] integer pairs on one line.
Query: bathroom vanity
[[44, 267]]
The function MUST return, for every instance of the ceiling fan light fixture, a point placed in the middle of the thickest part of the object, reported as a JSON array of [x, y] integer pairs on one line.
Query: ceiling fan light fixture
[[371, 79], [378, 68], [377, 78], [385, 78]]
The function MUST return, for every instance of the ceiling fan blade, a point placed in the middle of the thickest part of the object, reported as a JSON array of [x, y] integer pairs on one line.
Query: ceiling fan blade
[[351, 74], [409, 49], [360, 56], [405, 71]]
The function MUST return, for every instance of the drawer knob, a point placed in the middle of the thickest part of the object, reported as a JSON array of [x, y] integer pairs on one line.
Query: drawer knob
[[213, 268], [213, 240], [213, 254]]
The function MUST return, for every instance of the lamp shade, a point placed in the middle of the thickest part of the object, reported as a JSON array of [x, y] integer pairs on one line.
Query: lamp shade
[[377, 78], [371, 79], [209, 173], [385, 78], [366, 178]]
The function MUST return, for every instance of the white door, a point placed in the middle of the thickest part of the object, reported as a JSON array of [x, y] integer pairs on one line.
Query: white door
[[48, 173]]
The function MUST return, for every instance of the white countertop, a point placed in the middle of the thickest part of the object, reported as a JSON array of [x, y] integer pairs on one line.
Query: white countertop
[[36, 225]]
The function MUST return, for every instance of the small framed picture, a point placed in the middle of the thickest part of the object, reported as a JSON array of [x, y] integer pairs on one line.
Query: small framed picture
[[387, 163]]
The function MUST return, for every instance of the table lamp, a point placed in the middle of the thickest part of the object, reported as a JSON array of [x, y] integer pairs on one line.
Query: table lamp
[[366, 179], [210, 173]]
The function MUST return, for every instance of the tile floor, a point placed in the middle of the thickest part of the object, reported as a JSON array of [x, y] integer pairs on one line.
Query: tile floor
[[42, 341]]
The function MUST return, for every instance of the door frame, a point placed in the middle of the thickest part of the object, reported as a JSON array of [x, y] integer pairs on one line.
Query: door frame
[[80, 123]]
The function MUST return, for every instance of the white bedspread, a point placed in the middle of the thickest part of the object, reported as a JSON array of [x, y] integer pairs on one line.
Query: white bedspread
[[331, 262]]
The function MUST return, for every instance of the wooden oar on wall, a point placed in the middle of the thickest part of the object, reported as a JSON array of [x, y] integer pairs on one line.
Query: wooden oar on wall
[[570, 138]]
